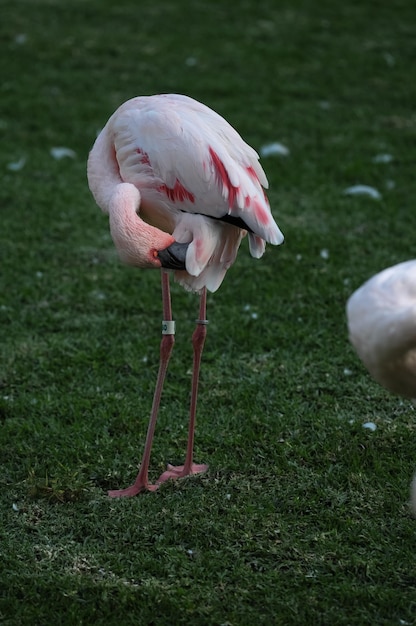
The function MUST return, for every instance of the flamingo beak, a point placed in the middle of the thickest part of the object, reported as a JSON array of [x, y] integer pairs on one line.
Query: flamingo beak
[[173, 257]]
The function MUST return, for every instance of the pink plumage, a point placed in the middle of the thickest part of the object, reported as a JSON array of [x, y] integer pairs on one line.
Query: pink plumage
[[381, 316], [382, 326], [176, 163], [181, 189]]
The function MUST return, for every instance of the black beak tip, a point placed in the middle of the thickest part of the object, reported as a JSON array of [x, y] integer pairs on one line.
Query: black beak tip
[[173, 257]]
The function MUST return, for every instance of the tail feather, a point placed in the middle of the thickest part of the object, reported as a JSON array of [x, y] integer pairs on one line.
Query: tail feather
[[257, 245]]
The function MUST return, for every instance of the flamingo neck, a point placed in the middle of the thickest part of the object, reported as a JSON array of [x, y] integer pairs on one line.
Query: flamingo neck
[[137, 242]]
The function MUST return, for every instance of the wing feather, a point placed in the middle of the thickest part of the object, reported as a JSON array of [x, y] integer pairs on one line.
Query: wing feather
[[162, 145], [190, 164]]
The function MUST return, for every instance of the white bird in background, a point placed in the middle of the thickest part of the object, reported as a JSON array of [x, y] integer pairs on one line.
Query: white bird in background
[[181, 189], [381, 318], [382, 326]]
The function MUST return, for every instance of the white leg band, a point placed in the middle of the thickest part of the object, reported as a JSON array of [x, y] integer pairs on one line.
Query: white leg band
[[168, 327]]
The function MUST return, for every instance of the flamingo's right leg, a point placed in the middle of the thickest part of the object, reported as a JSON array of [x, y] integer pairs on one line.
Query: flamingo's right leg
[[198, 340], [168, 339]]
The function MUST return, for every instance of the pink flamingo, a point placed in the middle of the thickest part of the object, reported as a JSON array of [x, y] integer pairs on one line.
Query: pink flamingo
[[181, 189], [381, 317]]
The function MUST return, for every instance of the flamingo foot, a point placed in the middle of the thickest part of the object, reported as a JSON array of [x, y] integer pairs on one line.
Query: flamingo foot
[[179, 471], [138, 487]]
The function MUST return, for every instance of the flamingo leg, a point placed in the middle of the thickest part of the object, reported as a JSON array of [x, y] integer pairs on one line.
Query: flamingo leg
[[198, 341], [166, 345]]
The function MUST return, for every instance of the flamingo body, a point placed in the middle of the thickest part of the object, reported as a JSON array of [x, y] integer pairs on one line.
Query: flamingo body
[[171, 163], [381, 317], [382, 326], [181, 189]]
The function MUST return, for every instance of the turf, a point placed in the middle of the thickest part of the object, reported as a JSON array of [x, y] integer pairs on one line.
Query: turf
[[303, 516]]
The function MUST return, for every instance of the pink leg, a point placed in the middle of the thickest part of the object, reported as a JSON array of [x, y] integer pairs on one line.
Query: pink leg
[[168, 339], [198, 340]]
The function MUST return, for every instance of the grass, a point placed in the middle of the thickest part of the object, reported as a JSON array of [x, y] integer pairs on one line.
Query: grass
[[303, 516]]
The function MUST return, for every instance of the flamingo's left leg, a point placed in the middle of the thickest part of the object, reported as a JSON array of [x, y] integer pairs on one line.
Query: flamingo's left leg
[[198, 341]]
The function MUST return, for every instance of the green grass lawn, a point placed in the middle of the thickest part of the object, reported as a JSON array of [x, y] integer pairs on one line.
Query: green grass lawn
[[303, 517]]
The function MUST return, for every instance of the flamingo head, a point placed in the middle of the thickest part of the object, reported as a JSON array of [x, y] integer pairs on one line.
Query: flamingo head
[[173, 257]]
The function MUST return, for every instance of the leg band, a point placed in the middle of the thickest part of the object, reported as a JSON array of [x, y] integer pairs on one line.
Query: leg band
[[168, 327]]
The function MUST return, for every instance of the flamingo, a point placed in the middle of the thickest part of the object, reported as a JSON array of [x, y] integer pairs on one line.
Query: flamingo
[[381, 317], [181, 188]]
